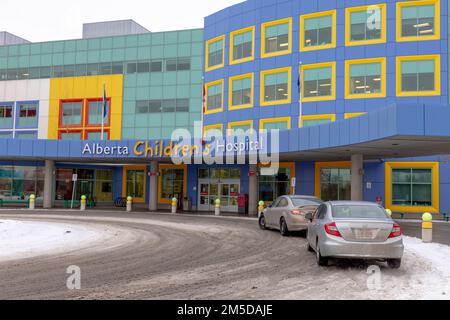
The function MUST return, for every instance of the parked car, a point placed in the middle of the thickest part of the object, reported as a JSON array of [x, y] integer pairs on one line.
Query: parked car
[[288, 213], [359, 230]]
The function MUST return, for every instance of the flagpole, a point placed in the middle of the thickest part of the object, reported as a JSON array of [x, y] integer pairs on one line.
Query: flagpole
[[203, 105], [103, 112], [300, 93]]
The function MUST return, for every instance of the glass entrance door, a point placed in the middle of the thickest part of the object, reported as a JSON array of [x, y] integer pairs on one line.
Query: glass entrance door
[[227, 192], [135, 184]]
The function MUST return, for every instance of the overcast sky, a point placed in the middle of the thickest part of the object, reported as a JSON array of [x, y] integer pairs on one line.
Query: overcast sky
[[46, 20]]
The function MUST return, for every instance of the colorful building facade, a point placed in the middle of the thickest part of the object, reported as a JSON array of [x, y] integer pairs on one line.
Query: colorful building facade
[[359, 91]]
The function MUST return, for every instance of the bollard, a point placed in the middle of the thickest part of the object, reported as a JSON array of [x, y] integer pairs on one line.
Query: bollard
[[174, 205], [129, 204], [217, 211], [261, 205], [389, 212], [32, 204], [83, 203], [427, 228]]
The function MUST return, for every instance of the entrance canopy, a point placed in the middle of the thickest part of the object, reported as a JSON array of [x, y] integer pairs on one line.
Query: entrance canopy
[[394, 132]]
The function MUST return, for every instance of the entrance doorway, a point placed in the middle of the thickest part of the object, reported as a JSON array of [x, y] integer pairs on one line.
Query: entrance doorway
[[134, 180], [223, 184]]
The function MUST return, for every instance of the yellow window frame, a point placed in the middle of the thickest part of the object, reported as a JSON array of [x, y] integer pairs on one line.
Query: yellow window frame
[[331, 64], [212, 127], [208, 43], [349, 63], [262, 83], [331, 13], [236, 33], [434, 166], [263, 122], [331, 117], [125, 169], [171, 166], [322, 165], [437, 12], [349, 11], [263, 38], [230, 91], [353, 115], [209, 85], [231, 125], [437, 76]]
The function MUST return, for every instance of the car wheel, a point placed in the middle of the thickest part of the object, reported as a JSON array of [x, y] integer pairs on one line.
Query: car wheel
[[321, 261], [284, 228], [394, 263], [262, 222]]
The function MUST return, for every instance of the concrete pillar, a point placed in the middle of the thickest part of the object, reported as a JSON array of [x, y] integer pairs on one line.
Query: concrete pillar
[[48, 183], [253, 191], [153, 201], [357, 177]]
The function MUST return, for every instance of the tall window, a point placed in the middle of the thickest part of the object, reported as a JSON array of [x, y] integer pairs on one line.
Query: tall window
[[6, 116], [276, 37], [318, 31], [18, 183], [27, 115], [135, 183], [412, 187], [215, 53], [172, 183], [419, 75], [241, 89], [365, 78], [241, 45], [418, 20], [366, 25], [274, 184], [275, 86], [318, 82], [214, 97], [71, 113], [335, 184], [95, 113]]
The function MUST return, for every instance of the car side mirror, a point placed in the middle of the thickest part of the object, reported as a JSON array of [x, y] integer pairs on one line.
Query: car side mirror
[[309, 216]]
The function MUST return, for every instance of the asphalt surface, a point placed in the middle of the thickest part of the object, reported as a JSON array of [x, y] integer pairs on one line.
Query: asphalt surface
[[191, 257]]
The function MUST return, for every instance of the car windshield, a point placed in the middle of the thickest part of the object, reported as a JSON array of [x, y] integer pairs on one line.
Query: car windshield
[[358, 212], [301, 202]]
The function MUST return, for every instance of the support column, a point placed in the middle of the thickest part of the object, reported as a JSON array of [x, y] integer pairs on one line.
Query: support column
[[357, 177], [48, 183], [153, 199], [253, 191]]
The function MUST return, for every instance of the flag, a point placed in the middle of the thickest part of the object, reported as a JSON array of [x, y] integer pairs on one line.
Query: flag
[[105, 103], [204, 99]]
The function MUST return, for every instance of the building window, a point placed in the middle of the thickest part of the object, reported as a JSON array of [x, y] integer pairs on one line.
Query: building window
[[418, 75], [242, 45], [317, 120], [241, 92], [275, 86], [318, 81], [412, 187], [276, 183], [365, 78], [214, 97], [71, 113], [213, 130], [366, 25], [6, 135], [18, 183], [134, 180], [179, 64], [70, 136], [275, 124], [26, 135], [172, 184], [276, 38], [158, 106], [240, 127], [27, 116], [418, 20], [96, 112], [6, 116], [318, 31], [333, 180], [215, 52], [97, 135]]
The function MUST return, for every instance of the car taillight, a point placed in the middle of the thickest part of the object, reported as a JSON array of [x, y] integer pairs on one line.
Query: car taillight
[[298, 212], [331, 229], [396, 231]]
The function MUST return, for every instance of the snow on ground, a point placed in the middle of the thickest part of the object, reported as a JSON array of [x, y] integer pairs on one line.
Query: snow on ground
[[24, 239]]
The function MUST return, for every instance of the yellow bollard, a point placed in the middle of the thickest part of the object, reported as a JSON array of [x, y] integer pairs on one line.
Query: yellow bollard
[[174, 205], [261, 207], [217, 211], [32, 204], [427, 228], [129, 204], [83, 203]]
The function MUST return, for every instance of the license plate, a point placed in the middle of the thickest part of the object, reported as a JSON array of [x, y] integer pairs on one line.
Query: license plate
[[365, 234]]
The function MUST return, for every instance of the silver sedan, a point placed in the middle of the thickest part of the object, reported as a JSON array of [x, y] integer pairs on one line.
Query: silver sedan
[[288, 213], [359, 230]]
